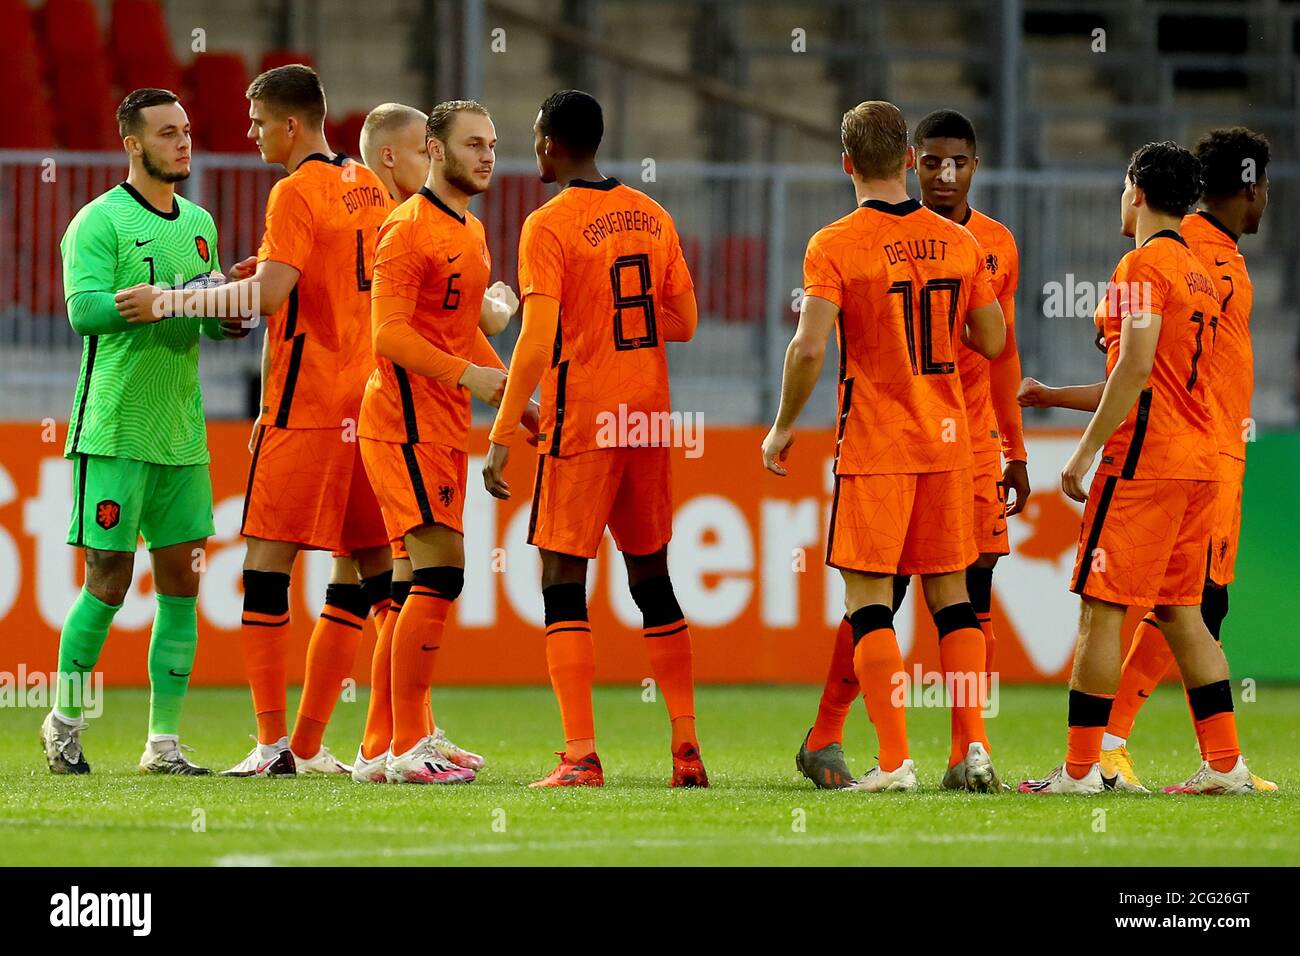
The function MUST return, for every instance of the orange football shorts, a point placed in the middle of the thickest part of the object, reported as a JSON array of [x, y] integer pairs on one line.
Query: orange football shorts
[[903, 524], [628, 490], [1143, 542], [308, 486]]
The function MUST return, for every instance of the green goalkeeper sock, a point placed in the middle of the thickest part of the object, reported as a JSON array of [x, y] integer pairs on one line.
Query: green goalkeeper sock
[[84, 632], [171, 658]]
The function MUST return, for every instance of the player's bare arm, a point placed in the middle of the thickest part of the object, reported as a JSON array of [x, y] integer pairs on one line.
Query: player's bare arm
[[270, 285], [1137, 352], [803, 366], [986, 330], [1082, 398]]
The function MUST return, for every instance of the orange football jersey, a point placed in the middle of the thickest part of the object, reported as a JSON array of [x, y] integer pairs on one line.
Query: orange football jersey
[[904, 279], [608, 254], [1169, 431], [1232, 379], [323, 219], [1002, 260], [431, 269]]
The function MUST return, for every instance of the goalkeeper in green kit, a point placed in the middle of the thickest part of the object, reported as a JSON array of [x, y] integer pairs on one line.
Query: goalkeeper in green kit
[[136, 438]]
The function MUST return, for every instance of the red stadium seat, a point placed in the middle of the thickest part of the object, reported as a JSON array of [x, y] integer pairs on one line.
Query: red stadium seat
[[220, 112], [141, 47], [78, 75], [346, 137], [738, 288], [273, 58], [22, 76]]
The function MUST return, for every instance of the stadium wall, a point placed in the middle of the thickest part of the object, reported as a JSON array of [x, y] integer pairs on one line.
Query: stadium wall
[[746, 561]]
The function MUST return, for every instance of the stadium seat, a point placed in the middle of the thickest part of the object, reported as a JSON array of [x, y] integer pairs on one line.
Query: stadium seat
[[273, 58], [22, 75], [346, 137], [219, 81], [739, 286], [141, 47], [79, 77]]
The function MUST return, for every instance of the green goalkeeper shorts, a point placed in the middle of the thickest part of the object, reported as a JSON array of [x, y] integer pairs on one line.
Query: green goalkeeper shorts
[[115, 501]]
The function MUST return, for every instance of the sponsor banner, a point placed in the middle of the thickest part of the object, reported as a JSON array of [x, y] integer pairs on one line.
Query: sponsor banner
[[746, 560]]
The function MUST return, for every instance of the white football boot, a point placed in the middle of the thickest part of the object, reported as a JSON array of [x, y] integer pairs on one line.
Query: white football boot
[[875, 780], [424, 764], [370, 771], [61, 741], [323, 763], [1210, 782], [265, 760], [975, 772], [456, 755], [165, 756], [1060, 781]]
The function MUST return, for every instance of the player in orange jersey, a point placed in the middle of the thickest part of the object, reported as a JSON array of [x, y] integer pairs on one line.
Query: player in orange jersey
[[901, 284], [945, 164], [431, 270], [1146, 527], [604, 286], [1234, 169], [393, 144], [306, 486]]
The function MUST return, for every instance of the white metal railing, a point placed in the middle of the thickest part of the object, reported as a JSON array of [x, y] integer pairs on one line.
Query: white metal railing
[[744, 228]]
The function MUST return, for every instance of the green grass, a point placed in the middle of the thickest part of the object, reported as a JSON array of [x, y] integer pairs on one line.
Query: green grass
[[750, 816]]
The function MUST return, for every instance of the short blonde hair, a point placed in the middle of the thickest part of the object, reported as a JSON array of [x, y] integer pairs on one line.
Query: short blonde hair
[[382, 122], [874, 135]]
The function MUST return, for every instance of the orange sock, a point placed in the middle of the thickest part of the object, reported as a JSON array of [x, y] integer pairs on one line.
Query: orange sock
[[1149, 658], [838, 693], [1087, 719], [379, 713], [1219, 745], [961, 656], [1216, 725], [416, 640], [878, 664], [330, 656], [571, 660], [263, 631], [669, 646]]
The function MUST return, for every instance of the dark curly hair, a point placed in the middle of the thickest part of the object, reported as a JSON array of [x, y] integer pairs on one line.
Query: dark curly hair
[[1226, 155], [573, 119], [1169, 175], [944, 124]]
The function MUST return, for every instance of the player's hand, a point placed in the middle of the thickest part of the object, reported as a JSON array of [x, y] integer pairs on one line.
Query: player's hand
[[488, 385], [1015, 477], [242, 269], [1073, 473], [140, 303], [532, 421], [500, 302], [494, 468], [1034, 394], [776, 447]]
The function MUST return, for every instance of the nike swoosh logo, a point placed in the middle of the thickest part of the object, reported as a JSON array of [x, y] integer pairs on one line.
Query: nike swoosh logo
[[77, 663], [996, 533], [428, 647], [1143, 693], [455, 257], [174, 674], [138, 243], [1223, 263]]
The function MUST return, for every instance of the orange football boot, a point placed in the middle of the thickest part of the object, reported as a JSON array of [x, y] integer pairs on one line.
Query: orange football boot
[[688, 769], [586, 772]]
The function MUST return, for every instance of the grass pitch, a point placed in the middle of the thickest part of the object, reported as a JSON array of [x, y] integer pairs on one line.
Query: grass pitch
[[759, 811]]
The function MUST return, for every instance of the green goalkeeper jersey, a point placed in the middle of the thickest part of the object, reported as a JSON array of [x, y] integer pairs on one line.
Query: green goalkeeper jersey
[[138, 393]]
